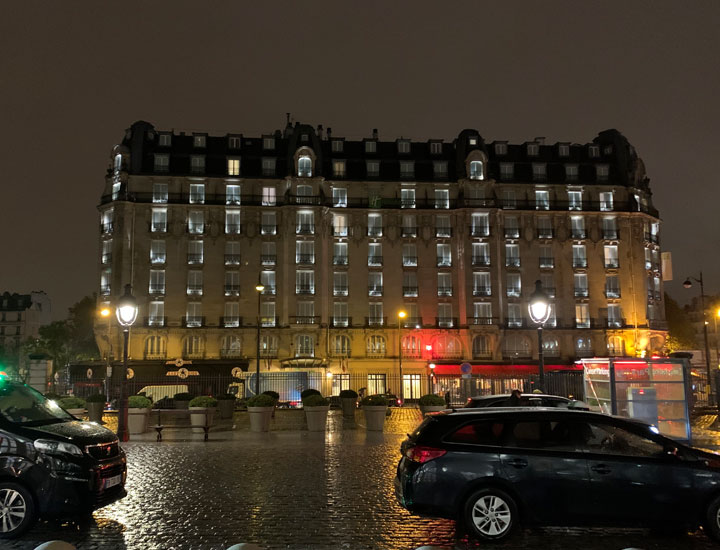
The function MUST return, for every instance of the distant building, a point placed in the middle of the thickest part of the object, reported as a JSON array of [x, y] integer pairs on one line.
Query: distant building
[[344, 234], [21, 316]]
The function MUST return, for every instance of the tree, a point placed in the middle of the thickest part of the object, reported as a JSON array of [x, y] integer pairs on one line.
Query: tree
[[681, 333]]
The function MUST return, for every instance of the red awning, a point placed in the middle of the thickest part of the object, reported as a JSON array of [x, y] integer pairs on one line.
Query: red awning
[[495, 370]]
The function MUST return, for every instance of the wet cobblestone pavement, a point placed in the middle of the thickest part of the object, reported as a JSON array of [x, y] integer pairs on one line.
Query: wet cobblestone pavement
[[292, 490]]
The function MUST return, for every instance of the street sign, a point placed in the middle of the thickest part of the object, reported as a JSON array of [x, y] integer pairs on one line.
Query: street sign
[[466, 368]]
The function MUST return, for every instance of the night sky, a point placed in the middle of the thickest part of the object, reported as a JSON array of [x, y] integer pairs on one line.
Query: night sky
[[75, 75]]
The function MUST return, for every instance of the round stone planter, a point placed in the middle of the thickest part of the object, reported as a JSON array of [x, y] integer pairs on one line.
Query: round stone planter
[[260, 418], [424, 409], [349, 405], [317, 417], [182, 404], [95, 411], [138, 421], [198, 417], [374, 417], [226, 408], [76, 412]]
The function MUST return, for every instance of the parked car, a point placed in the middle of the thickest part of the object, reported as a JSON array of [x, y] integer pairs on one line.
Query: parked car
[[392, 399], [51, 464], [494, 469], [526, 400]]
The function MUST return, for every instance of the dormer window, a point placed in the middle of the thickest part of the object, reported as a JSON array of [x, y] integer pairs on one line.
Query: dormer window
[[198, 141], [564, 150], [594, 151], [234, 142], [164, 140], [533, 149], [607, 150], [304, 166], [435, 148], [269, 143], [403, 146], [472, 140], [336, 145], [501, 148], [370, 146], [476, 170], [303, 137]]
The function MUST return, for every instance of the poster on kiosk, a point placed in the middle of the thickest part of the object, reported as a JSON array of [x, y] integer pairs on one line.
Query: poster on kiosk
[[652, 390]]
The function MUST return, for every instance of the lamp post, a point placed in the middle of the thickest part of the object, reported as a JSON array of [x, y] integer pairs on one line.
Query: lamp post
[[126, 312], [431, 371], [259, 287], [717, 348], [105, 313], [539, 309], [688, 284], [401, 316]]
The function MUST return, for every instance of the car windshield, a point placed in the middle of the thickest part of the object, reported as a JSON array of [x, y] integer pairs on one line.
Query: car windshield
[[20, 404]]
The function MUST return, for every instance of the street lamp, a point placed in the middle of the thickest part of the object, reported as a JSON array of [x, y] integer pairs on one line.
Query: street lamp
[[431, 372], [126, 312], [539, 309], [401, 315], [259, 287], [688, 284], [105, 313]]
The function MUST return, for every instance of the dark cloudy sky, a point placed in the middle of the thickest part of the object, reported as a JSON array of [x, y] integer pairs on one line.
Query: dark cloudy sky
[[74, 75]]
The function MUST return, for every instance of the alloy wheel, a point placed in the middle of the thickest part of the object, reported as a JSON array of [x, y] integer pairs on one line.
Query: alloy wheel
[[491, 515], [13, 510]]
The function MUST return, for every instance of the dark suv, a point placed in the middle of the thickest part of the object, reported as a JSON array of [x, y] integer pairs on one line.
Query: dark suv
[[526, 400], [493, 469], [51, 464]]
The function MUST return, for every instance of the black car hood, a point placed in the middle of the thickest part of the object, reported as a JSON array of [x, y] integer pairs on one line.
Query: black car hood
[[79, 433]]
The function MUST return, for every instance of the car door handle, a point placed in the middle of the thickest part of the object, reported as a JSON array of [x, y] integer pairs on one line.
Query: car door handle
[[601, 469], [518, 463]]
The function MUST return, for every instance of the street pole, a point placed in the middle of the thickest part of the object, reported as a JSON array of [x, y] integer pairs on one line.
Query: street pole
[[123, 413], [688, 284], [257, 358], [401, 316], [541, 358]]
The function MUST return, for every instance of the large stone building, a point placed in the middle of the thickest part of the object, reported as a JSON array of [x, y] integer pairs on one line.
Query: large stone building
[[21, 316], [344, 234]]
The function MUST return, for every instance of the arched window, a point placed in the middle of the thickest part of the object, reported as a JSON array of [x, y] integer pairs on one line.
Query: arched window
[[341, 345], [193, 347], [268, 345], [375, 346], [583, 347], [304, 346], [515, 345], [656, 344], [231, 346], [551, 348], [447, 346], [412, 346], [476, 170], [155, 347], [481, 347], [616, 346], [304, 166]]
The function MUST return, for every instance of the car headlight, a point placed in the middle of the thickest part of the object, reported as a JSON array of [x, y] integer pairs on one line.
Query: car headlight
[[51, 447]]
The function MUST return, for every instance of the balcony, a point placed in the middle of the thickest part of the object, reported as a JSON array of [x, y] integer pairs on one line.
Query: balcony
[[194, 258], [444, 291], [408, 231], [158, 227], [157, 259], [615, 322], [584, 352], [545, 233], [268, 322], [375, 353], [268, 259], [195, 228], [193, 322], [511, 353], [375, 290], [612, 263], [479, 231], [106, 228], [482, 291], [410, 291], [232, 290], [374, 231], [411, 322], [305, 289], [155, 322], [513, 291], [649, 237], [232, 259], [547, 263], [339, 290], [154, 290], [269, 290], [269, 353], [233, 229], [340, 231], [512, 233], [230, 353], [231, 321], [579, 262], [512, 262], [578, 234], [410, 261], [304, 319], [585, 323], [340, 321], [516, 323], [305, 199], [304, 258], [612, 293], [446, 322], [268, 229], [339, 352], [340, 260], [407, 203], [444, 261], [443, 232], [480, 261], [305, 229], [375, 260], [610, 234], [580, 292], [375, 321], [482, 320]]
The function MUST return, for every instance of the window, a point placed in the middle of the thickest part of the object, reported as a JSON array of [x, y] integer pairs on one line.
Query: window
[[375, 228], [501, 148], [305, 252], [232, 315], [375, 283], [105, 281], [442, 226], [232, 252], [157, 281], [160, 193], [601, 172], [442, 198], [581, 285], [481, 283], [611, 256], [533, 149], [375, 346], [375, 310], [512, 255], [232, 194], [594, 151], [403, 146], [268, 345], [159, 220], [606, 201], [472, 140], [409, 253], [564, 150], [338, 168], [579, 256], [410, 284], [512, 231], [509, 200], [339, 227], [305, 222], [476, 170], [197, 164], [582, 315], [304, 282], [304, 346], [233, 142], [267, 319], [232, 283], [614, 319], [574, 200], [407, 169], [616, 346], [609, 228], [480, 254], [268, 223], [409, 226], [407, 197], [269, 143], [268, 196], [268, 166], [373, 168], [340, 314], [195, 283], [539, 172], [106, 256], [571, 172], [197, 193], [370, 146], [340, 347], [483, 313], [305, 313], [507, 170], [304, 166], [340, 254], [514, 288], [336, 145], [544, 227], [542, 200], [198, 140], [546, 257], [267, 279], [340, 283], [612, 286], [440, 169], [233, 167], [156, 311], [157, 252], [435, 148], [232, 221], [444, 255], [444, 284], [375, 254], [339, 197], [479, 225], [514, 316], [195, 252], [196, 222], [548, 283], [445, 318], [162, 163], [577, 227], [164, 140]]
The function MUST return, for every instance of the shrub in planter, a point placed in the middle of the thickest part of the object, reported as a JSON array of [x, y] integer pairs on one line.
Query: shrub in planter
[[73, 405], [226, 404], [316, 410], [431, 403], [181, 400], [138, 414], [308, 392], [95, 405], [260, 407], [374, 409], [315, 400], [262, 400], [348, 402], [275, 395], [374, 401], [202, 411]]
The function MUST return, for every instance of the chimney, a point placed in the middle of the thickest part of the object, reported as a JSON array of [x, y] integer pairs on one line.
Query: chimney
[[375, 133], [540, 140], [329, 133], [319, 131]]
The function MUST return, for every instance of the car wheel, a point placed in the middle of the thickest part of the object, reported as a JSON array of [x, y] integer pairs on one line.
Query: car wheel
[[17, 509], [712, 520], [490, 514]]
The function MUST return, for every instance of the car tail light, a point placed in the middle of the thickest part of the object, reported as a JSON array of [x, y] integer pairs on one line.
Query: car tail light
[[398, 402], [423, 454]]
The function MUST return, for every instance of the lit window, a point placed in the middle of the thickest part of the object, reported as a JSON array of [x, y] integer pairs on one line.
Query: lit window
[[105, 282], [339, 197], [232, 194], [195, 283], [268, 196], [157, 281], [472, 140], [159, 220], [542, 200], [444, 255], [193, 344], [304, 166], [480, 225], [612, 260], [582, 317], [442, 198], [197, 193], [118, 163], [513, 285], [160, 192], [407, 198], [232, 317], [233, 167], [157, 317], [574, 200], [339, 168], [195, 252], [157, 252], [375, 228], [370, 146], [232, 222], [476, 170], [606, 201], [577, 227], [512, 255], [198, 141], [196, 221]]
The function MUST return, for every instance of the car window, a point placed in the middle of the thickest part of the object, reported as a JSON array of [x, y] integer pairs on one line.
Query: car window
[[530, 434], [484, 432], [609, 439]]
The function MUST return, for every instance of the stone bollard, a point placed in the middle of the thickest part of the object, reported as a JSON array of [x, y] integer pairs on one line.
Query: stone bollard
[[246, 546], [55, 545]]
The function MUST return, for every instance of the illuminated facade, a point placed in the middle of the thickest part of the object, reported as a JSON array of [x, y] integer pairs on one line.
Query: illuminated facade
[[345, 234]]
